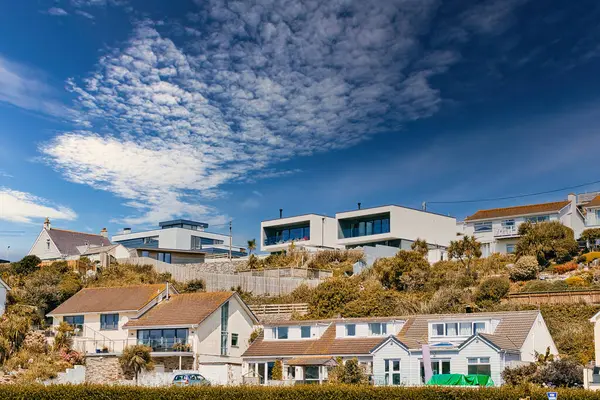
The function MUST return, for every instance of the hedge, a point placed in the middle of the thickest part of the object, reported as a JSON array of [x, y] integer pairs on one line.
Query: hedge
[[304, 392]]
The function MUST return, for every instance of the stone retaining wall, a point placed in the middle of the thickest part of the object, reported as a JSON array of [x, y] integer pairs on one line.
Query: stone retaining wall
[[103, 370]]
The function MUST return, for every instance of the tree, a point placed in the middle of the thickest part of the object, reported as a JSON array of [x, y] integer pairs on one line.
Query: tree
[[330, 297], [27, 265], [278, 371], [492, 290], [136, 359], [13, 328], [547, 241], [353, 373], [465, 251], [407, 270], [251, 245], [63, 340], [590, 236], [420, 246]]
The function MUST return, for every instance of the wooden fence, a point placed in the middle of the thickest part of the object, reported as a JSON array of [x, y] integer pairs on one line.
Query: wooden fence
[[277, 309], [567, 297], [258, 285]]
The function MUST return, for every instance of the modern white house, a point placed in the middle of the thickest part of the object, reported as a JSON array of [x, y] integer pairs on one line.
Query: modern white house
[[391, 226], [4, 289], [392, 350], [498, 229], [204, 332], [178, 236], [54, 244]]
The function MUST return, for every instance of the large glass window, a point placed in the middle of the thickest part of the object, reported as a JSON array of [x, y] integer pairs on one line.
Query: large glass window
[[163, 339], [538, 218], [311, 373], [288, 234], [392, 372], [224, 327], [508, 223], [479, 366], [365, 226], [483, 227], [305, 332], [109, 322]]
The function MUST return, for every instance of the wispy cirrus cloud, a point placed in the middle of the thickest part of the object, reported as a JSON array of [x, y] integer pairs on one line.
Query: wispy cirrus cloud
[[57, 12], [247, 86], [16, 206], [22, 87]]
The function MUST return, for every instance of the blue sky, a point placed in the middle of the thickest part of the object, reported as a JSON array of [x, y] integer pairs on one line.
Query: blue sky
[[119, 113]]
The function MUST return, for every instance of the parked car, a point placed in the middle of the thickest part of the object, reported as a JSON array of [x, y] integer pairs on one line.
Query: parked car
[[190, 380]]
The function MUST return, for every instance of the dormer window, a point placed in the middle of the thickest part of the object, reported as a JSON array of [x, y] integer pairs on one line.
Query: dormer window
[[376, 329], [350, 330], [305, 332], [437, 329], [450, 329], [280, 332]]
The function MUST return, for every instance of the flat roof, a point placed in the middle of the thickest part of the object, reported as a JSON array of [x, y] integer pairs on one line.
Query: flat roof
[[160, 249], [396, 205], [183, 221], [296, 216]]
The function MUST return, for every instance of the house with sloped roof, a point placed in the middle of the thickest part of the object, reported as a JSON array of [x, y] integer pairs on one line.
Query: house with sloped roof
[[401, 350], [497, 229], [204, 332], [54, 244], [591, 211]]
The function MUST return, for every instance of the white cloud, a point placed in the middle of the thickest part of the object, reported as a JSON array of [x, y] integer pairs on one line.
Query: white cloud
[[4, 174], [84, 14], [250, 85], [23, 87], [22, 207], [57, 12], [250, 203]]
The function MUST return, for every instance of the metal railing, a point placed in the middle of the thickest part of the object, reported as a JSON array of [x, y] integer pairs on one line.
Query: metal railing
[[506, 231], [270, 241]]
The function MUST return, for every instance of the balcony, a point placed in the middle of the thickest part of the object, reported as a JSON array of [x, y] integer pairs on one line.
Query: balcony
[[159, 345], [506, 231]]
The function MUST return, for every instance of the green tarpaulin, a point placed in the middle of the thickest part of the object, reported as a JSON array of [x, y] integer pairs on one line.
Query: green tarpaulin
[[460, 380]]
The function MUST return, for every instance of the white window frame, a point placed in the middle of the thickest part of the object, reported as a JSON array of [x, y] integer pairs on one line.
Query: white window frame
[[390, 371], [434, 331], [479, 361], [275, 332], [346, 330], [382, 328], [482, 227], [458, 328], [309, 331]]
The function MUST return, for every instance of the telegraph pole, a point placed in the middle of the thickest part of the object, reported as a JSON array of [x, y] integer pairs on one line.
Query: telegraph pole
[[230, 240]]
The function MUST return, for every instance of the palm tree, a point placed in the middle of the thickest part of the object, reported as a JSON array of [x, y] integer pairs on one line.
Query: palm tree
[[136, 359], [251, 245]]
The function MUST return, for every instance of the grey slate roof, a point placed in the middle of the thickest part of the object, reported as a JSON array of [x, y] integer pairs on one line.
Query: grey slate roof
[[68, 241]]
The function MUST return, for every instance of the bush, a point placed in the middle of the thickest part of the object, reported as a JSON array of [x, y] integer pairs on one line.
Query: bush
[[525, 269], [563, 373], [576, 281], [547, 241], [330, 297], [519, 375], [195, 285], [278, 371], [407, 270], [564, 268], [300, 392], [545, 286], [492, 290], [35, 342], [589, 257]]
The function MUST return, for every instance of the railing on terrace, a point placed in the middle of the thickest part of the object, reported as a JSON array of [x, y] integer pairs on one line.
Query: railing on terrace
[[99, 346], [270, 241], [166, 344], [506, 231]]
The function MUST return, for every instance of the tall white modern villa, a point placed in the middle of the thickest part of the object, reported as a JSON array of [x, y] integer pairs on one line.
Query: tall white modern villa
[[388, 226]]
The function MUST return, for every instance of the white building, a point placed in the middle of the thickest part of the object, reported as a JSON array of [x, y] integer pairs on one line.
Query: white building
[[204, 332], [392, 226], [4, 289], [498, 229], [176, 235], [54, 244], [591, 211], [391, 349]]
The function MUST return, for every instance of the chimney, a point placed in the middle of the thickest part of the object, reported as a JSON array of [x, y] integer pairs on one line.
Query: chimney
[[104, 233], [359, 204], [572, 197], [126, 231], [281, 213], [47, 225]]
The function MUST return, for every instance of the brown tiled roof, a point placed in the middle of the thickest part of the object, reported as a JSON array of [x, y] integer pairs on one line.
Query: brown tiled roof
[[68, 241], [300, 361], [518, 210], [594, 203], [330, 320], [502, 342], [110, 299], [510, 334], [182, 309]]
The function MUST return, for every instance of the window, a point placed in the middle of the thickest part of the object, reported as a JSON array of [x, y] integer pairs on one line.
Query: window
[[437, 329], [478, 327], [452, 329], [224, 326], [291, 373], [365, 226], [538, 218], [287, 234], [311, 373], [479, 366], [483, 227], [510, 248], [76, 321], [164, 257], [392, 372], [282, 332], [466, 329], [145, 253], [378, 329], [109, 322], [508, 223], [234, 340], [47, 244], [163, 339], [437, 367], [350, 330], [305, 332]]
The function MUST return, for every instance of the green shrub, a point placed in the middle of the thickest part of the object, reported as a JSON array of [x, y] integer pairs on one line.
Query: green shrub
[[545, 286], [278, 371], [302, 392], [576, 281], [525, 269], [589, 257], [492, 290]]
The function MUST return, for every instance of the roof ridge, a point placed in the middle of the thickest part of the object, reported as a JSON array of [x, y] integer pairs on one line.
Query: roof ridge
[[127, 286], [72, 231], [523, 205]]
